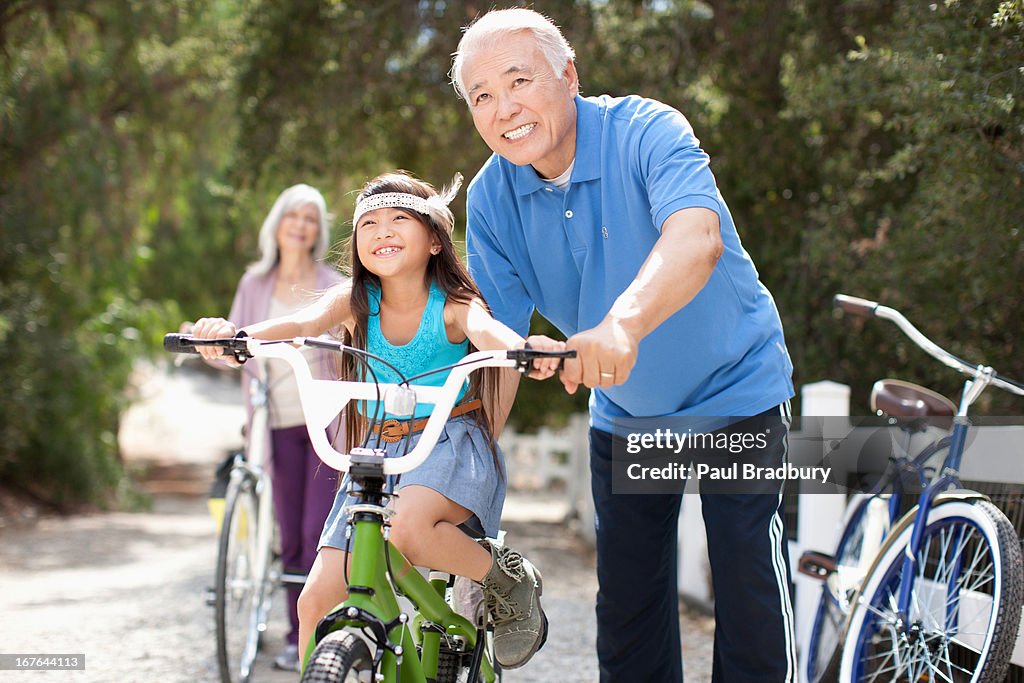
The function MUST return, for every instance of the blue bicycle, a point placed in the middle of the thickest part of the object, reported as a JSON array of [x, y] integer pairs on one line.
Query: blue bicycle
[[933, 594]]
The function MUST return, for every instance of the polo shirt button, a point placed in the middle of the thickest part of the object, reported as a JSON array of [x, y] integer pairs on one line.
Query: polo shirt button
[[568, 214], [549, 189]]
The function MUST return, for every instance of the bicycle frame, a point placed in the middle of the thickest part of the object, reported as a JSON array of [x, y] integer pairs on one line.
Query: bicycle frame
[[373, 605], [948, 478], [255, 464], [893, 499]]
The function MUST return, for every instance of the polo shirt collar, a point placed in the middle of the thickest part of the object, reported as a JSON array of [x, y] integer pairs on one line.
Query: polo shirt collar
[[588, 152], [588, 140]]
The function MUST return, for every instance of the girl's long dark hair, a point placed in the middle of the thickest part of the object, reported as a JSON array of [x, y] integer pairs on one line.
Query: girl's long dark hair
[[452, 278]]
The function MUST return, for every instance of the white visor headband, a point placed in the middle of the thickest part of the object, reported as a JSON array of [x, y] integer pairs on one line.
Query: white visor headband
[[436, 206]]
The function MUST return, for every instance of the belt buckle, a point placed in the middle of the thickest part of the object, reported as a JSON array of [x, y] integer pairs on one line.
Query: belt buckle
[[392, 430]]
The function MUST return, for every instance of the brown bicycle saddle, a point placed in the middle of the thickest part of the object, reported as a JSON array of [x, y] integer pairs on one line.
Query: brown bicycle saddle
[[898, 399]]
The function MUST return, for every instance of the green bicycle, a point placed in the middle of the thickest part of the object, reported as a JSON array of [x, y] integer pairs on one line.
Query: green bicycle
[[369, 637]]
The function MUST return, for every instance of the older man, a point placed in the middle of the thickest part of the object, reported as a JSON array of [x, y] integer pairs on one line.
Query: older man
[[602, 213]]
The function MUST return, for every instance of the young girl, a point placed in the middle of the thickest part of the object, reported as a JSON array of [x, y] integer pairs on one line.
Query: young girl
[[412, 302]]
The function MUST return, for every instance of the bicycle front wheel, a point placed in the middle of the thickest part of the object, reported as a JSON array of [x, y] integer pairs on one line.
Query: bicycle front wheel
[[865, 530], [965, 600], [341, 657], [240, 583]]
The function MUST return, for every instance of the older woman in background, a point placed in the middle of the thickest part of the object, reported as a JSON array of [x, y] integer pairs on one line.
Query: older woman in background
[[288, 275]]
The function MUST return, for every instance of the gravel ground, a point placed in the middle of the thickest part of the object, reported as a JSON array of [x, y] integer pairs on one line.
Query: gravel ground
[[128, 589]]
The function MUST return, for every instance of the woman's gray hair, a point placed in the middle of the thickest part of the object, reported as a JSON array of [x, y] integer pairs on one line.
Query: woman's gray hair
[[483, 31], [294, 197]]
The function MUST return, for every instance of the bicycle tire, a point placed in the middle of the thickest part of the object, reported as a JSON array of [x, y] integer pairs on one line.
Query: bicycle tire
[[969, 566], [860, 540], [341, 657], [239, 594]]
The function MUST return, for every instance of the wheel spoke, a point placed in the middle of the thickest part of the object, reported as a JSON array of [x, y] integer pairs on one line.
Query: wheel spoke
[[889, 664], [916, 609], [933, 666], [971, 580], [951, 664], [877, 611]]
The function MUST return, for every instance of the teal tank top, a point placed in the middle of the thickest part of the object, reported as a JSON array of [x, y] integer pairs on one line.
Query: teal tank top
[[427, 350]]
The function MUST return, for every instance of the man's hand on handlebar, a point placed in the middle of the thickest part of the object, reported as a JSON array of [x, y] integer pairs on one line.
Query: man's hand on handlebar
[[605, 356], [214, 328]]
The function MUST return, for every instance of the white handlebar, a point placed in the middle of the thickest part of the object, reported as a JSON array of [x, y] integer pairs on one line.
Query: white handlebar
[[323, 400]]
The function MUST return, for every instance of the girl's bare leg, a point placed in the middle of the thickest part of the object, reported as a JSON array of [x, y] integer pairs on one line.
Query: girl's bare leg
[[325, 588], [425, 529]]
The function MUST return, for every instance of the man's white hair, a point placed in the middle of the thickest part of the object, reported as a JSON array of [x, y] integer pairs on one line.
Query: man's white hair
[[294, 197], [486, 29]]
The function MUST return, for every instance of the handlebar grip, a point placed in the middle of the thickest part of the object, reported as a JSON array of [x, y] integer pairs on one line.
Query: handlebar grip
[[179, 343], [525, 356], [854, 305]]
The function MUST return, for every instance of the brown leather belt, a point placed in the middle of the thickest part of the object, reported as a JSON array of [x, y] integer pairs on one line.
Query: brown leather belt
[[392, 430]]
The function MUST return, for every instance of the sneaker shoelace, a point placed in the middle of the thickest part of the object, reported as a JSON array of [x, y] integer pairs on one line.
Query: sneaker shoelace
[[502, 607]]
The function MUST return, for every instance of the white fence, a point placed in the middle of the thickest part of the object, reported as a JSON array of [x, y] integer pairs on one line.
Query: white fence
[[554, 461]]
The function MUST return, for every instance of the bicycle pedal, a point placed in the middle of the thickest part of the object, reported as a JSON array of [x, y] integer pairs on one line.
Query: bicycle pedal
[[816, 565], [292, 579]]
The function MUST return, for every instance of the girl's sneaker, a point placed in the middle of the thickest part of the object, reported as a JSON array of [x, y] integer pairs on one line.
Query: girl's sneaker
[[288, 660], [512, 590]]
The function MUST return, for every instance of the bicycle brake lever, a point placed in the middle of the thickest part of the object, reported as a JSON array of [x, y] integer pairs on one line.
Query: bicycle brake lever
[[241, 354]]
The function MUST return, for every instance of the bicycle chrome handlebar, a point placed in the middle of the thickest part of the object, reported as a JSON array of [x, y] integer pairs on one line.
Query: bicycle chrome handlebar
[[323, 400], [867, 309]]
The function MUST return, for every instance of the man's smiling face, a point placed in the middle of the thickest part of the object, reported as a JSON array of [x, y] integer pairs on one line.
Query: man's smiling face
[[521, 108]]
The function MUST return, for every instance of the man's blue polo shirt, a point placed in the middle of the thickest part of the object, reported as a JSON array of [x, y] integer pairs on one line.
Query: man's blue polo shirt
[[571, 253]]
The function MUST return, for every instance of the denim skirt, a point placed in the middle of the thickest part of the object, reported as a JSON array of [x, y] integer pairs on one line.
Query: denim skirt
[[461, 467]]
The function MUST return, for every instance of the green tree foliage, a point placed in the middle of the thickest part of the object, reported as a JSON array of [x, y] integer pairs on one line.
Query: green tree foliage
[[99, 155], [911, 114], [863, 146], [346, 90]]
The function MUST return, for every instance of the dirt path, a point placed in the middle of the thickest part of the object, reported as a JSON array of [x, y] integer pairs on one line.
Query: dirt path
[[124, 589], [129, 589]]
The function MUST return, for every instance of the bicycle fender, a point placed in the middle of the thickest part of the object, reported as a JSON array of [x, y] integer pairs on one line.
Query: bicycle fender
[[907, 519], [958, 494]]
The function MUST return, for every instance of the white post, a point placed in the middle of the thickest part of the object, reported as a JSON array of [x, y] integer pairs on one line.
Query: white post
[[826, 398], [819, 515], [581, 499], [694, 568]]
